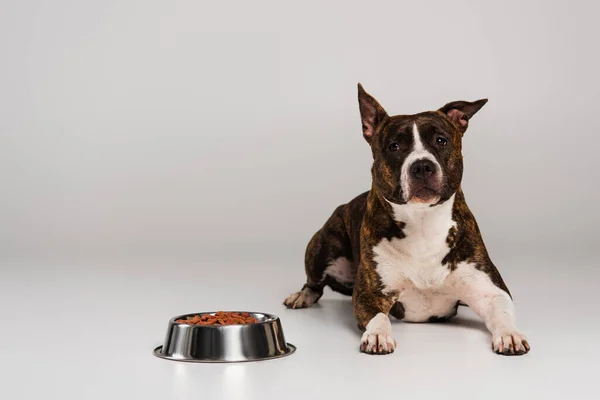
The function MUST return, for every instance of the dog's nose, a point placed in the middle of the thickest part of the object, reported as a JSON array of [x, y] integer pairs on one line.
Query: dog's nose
[[422, 169]]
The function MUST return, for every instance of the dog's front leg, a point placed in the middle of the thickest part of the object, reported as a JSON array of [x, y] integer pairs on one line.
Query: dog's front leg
[[371, 308], [494, 305], [371, 311]]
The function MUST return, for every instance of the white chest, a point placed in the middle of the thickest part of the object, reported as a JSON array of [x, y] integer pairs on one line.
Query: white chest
[[416, 260]]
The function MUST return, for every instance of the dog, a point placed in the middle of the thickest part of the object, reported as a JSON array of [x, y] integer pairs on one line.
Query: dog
[[410, 247]]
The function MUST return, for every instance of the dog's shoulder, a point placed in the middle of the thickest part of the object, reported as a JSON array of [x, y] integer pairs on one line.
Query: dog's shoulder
[[466, 244]]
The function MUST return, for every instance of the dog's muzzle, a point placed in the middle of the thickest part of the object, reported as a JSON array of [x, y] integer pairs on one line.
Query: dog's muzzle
[[425, 183]]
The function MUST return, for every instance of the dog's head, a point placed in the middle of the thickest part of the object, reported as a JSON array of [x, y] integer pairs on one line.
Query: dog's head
[[417, 158]]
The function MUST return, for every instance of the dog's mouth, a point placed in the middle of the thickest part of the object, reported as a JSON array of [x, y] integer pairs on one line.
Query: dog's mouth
[[425, 194]]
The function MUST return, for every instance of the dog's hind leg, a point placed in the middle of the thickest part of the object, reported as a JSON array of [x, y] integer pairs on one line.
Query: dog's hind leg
[[328, 261]]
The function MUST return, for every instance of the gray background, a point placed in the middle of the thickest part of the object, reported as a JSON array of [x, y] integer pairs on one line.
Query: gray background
[[146, 144]]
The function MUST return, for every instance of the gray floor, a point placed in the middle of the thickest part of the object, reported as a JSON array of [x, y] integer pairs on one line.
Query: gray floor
[[83, 331]]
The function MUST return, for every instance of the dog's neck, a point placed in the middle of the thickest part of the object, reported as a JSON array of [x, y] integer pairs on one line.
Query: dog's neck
[[418, 214], [424, 214]]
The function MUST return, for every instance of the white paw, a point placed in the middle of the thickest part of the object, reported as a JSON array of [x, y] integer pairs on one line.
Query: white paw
[[378, 338], [510, 343], [302, 299]]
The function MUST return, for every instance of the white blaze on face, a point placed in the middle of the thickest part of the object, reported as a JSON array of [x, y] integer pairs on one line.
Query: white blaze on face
[[418, 153]]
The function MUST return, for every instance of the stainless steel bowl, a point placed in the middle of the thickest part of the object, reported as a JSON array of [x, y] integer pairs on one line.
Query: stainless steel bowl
[[229, 343]]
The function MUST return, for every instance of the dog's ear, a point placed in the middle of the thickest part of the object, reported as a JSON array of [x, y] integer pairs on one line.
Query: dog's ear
[[371, 113], [460, 112]]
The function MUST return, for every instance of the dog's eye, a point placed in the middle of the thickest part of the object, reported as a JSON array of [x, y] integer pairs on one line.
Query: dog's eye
[[394, 146], [441, 141]]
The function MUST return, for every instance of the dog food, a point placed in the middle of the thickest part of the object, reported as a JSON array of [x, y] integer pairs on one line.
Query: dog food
[[220, 318]]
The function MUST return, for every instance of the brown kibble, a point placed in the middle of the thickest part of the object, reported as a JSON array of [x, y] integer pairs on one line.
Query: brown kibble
[[219, 318]]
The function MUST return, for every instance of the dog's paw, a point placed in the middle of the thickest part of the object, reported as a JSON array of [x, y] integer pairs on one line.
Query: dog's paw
[[377, 343], [302, 299], [378, 338], [510, 343]]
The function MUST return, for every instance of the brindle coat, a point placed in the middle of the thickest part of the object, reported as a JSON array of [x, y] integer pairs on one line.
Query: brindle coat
[[355, 228]]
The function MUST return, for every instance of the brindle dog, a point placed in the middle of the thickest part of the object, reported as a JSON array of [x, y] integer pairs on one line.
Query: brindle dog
[[410, 246]]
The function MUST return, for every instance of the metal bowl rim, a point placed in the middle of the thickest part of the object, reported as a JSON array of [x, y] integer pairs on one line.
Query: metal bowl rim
[[270, 319]]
